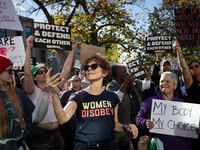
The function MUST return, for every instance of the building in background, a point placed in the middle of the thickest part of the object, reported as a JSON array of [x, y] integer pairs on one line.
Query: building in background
[[38, 55]]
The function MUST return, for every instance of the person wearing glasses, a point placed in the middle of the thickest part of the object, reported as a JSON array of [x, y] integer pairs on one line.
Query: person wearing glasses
[[191, 78], [14, 107], [96, 108], [45, 135]]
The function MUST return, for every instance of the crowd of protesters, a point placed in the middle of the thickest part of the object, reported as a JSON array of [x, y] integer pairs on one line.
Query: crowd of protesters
[[105, 109]]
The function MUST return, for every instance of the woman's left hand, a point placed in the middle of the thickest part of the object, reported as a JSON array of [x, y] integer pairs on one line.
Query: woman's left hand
[[133, 129], [54, 81], [198, 130]]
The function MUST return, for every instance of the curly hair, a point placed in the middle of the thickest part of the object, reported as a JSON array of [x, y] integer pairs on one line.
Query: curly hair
[[105, 65]]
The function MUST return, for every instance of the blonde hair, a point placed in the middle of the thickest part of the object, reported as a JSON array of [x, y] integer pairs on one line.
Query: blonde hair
[[14, 100]]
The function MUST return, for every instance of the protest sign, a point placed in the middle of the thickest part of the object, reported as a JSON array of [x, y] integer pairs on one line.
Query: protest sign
[[173, 61], [52, 36], [175, 118], [158, 43], [89, 50], [133, 65], [8, 16], [13, 47], [77, 64], [187, 23]]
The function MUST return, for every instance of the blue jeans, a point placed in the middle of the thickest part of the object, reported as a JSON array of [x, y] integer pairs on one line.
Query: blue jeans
[[105, 145], [41, 139]]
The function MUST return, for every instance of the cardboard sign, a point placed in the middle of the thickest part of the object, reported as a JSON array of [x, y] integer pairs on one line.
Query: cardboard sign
[[133, 65], [159, 43], [187, 23], [175, 118], [52, 36], [89, 50], [13, 48], [174, 63], [8, 16]]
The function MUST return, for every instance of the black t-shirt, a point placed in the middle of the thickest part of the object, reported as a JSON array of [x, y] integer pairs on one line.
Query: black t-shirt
[[95, 115], [193, 93]]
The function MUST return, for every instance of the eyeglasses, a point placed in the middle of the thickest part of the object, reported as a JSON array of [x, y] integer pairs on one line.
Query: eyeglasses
[[10, 71], [93, 67], [191, 67], [41, 71], [77, 80]]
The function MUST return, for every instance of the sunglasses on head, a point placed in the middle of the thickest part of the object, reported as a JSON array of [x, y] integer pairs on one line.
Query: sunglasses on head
[[92, 66], [10, 71], [77, 80], [191, 67], [41, 71]]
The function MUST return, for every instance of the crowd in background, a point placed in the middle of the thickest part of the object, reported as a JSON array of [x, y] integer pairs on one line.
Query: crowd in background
[[64, 112]]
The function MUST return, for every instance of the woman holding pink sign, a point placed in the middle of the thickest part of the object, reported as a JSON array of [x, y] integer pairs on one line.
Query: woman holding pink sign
[[168, 84]]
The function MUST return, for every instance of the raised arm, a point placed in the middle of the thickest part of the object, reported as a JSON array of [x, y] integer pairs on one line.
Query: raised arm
[[156, 68], [63, 116], [68, 63], [29, 84], [187, 78]]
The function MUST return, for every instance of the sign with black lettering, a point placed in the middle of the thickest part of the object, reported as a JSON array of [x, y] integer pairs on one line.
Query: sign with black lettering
[[187, 23], [13, 47], [52, 36], [175, 118], [133, 65], [158, 43]]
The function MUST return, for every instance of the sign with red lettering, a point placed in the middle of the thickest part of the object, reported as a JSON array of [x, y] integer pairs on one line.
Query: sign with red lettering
[[175, 118], [187, 23], [8, 16], [159, 43], [52, 36], [13, 47], [173, 61]]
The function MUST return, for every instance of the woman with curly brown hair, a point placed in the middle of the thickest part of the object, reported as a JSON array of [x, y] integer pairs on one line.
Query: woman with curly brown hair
[[96, 108]]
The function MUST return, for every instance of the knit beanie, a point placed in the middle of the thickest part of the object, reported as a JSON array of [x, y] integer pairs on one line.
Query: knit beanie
[[4, 62]]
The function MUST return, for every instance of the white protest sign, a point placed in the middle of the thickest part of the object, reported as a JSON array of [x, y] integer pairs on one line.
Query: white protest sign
[[13, 47], [77, 64], [175, 118], [174, 63], [8, 16]]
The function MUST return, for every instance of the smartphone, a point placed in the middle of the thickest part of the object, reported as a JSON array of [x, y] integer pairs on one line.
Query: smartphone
[[141, 74], [52, 62]]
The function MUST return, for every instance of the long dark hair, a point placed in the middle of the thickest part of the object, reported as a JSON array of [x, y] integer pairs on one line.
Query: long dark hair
[[10, 91]]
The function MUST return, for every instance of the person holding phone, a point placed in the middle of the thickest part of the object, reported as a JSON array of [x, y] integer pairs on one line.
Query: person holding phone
[[96, 108], [45, 135], [132, 99]]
